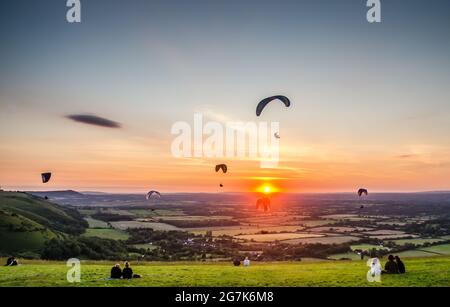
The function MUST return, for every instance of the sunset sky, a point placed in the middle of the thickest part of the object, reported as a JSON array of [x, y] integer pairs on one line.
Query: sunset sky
[[370, 102]]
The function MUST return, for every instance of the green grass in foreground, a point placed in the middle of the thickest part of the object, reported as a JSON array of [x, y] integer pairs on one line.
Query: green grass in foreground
[[420, 272]]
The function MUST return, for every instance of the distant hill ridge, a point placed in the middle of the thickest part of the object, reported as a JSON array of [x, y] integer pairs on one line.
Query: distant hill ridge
[[63, 193]]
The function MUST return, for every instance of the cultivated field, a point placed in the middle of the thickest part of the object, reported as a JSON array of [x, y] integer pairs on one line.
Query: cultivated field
[[124, 225], [277, 236]]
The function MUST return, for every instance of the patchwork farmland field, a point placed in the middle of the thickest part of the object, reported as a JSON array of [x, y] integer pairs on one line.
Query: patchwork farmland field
[[277, 237], [124, 225], [107, 233], [323, 240]]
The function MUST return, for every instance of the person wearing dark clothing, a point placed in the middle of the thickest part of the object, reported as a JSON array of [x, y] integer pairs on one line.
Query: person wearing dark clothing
[[116, 272], [236, 262], [400, 265], [127, 272], [391, 266], [11, 261]]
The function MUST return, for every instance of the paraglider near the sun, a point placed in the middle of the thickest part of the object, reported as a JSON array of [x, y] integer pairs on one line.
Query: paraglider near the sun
[[263, 204], [46, 177], [362, 192], [222, 167], [263, 103]]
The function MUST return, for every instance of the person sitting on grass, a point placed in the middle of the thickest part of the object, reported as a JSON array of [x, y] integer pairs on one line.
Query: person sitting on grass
[[236, 262], [127, 272], [116, 272], [12, 261], [246, 262], [400, 265], [390, 267]]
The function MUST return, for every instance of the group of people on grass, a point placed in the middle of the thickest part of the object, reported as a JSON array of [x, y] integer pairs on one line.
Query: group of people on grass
[[126, 273], [394, 265], [237, 262]]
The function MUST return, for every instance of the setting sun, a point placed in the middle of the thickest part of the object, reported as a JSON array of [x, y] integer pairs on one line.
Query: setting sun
[[267, 189]]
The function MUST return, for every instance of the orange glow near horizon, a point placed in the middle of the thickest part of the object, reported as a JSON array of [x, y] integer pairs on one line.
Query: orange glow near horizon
[[267, 189]]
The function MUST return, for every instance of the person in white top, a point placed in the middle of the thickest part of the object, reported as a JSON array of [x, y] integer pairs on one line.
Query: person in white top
[[246, 262]]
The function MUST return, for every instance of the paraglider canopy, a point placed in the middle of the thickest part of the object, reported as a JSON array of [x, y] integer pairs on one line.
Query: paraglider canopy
[[263, 103], [46, 177], [263, 204], [362, 191], [222, 167], [153, 194]]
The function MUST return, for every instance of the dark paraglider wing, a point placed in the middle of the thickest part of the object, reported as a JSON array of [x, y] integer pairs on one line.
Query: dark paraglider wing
[[362, 191], [263, 103], [222, 167], [153, 193], [46, 177]]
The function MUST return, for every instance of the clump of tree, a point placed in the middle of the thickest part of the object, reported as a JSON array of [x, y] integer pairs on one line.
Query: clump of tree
[[181, 245], [283, 252], [84, 248], [111, 217]]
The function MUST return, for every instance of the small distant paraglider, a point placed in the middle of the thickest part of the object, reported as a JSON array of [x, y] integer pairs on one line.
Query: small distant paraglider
[[263, 103], [46, 177], [222, 167], [153, 195], [263, 204], [362, 192]]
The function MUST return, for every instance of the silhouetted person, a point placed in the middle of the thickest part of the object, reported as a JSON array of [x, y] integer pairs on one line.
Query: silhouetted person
[[116, 272], [127, 272], [391, 266], [400, 265], [236, 262], [11, 261]]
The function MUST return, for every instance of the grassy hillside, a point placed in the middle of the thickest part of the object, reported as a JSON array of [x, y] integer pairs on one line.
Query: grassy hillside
[[420, 272], [27, 222]]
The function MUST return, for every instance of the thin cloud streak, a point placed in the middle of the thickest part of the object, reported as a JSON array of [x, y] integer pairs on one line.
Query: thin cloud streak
[[94, 121]]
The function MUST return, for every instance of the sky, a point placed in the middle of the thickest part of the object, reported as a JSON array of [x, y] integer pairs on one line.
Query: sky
[[370, 102]]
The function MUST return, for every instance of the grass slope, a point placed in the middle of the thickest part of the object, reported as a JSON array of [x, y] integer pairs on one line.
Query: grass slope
[[420, 272], [27, 221]]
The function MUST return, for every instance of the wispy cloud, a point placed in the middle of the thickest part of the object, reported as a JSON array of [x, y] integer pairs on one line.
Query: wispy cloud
[[94, 120]]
